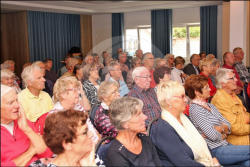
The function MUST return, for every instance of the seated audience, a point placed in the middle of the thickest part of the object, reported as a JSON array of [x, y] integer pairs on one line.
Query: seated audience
[[148, 62], [89, 59], [34, 101], [177, 73], [159, 62], [8, 79], [20, 145], [67, 134], [231, 107], [215, 66], [202, 55], [63, 69], [50, 76], [10, 65], [176, 139], [212, 125], [78, 72], [116, 75], [91, 83], [193, 66], [130, 147], [139, 53], [206, 70], [210, 56], [142, 91], [229, 61], [170, 60], [108, 92], [162, 74], [70, 66], [122, 57], [136, 62]]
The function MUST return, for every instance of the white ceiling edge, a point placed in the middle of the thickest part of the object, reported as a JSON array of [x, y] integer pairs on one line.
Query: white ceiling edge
[[50, 6]]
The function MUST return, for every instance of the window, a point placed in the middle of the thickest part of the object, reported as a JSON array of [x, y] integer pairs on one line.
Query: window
[[186, 40], [138, 38]]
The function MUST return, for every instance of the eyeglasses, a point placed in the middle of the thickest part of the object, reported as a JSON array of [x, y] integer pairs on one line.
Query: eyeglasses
[[181, 97], [232, 78], [148, 76]]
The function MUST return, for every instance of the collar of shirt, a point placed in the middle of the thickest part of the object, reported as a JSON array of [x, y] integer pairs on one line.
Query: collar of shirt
[[139, 89], [30, 95], [105, 106], [228, 66]]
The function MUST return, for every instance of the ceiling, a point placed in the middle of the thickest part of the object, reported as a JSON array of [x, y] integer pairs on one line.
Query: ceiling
[[97, 7]]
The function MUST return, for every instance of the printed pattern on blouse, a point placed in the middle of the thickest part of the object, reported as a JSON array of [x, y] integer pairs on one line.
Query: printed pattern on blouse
[[91, 92]]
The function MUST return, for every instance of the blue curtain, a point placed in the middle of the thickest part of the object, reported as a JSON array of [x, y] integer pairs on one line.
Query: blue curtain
[[161, 24], [117, 32], [51, 35], [208, 20]]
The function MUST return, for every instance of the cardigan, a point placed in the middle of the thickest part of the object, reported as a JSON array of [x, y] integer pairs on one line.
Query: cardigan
[[171, 148]]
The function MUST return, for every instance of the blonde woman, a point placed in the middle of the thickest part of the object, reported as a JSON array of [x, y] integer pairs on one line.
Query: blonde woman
[[8, 79], [176, 139]]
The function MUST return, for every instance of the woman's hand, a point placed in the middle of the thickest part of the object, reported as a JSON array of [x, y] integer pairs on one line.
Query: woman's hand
[[216, 162], [219, 128], [22, 121]]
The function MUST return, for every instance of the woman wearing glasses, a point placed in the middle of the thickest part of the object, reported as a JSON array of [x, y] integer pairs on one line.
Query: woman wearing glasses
[[176, 139], [212, 125]]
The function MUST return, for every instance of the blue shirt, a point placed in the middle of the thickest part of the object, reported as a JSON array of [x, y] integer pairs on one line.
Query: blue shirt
[[123, 89]]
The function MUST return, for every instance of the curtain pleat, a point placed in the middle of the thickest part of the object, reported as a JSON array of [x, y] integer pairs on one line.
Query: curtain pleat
[[161, 33], [117, 32], [208, 36], [51, 35]]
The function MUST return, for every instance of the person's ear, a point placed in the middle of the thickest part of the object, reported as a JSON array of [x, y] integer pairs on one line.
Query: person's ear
[[197, 93], [67, 146]]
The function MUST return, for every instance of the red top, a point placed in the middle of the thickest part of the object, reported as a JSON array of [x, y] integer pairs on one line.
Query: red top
[[13, 146], [248, 90], [186, 111], [210, 84], [152, 83], [236, 74]]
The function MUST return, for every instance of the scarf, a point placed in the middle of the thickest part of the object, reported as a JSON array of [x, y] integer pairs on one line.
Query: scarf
[[191, 137]]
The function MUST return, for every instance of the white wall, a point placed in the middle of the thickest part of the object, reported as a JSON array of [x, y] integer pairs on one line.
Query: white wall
[[101, 33], [134, 19]]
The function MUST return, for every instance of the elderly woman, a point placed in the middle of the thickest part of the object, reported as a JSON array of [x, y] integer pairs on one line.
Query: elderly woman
[[136, 62], [130, 147], [212, 125], [20, 145], [78, 72], [67, 94], [108, 92], [8, 79], [206, 70], [67, 135], [91, 83], [162, 74], [175, 137], [231, 107], [177, 73], [170, 60]]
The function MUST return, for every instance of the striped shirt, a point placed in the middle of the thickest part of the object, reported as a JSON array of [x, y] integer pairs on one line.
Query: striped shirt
[[151, 107], [205, 120]]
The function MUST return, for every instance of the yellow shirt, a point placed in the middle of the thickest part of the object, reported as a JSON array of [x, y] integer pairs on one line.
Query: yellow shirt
[[35, 106], [234, 111]]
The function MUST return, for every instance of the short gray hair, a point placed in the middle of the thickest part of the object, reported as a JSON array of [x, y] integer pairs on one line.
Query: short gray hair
[[104, 89], [5, 73], [168, 56], [137, 71], [123, 109], [221, 76], [6, 64], [145, 56], [27, 74]]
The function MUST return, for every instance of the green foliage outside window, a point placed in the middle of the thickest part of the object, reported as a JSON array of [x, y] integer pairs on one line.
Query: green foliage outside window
[[181, 32]]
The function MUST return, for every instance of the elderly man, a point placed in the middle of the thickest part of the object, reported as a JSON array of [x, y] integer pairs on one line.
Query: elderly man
[[148, 62], [34, 101], [50, 76], [116, 75], [231, 107], [193, 67], [239, 66], [139, 53], [89, 59], [142, 90], [170, 60], [229, 61]]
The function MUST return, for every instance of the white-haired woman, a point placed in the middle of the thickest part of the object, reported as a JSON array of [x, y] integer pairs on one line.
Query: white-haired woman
[[8, 79], [175, 137], [20, 145], [130, 147], [231, 107]]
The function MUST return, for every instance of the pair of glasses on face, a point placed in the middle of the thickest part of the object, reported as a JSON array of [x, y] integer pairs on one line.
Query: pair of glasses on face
[[147, 76], [232, 78], [181, 97]]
